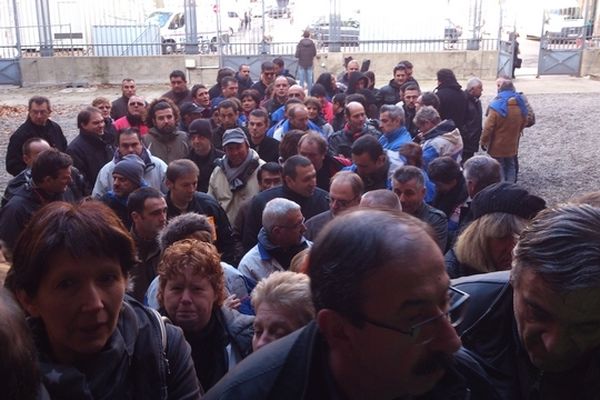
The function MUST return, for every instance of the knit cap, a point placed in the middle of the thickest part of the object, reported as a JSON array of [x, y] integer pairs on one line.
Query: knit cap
[[506, 198], [131, 167], [201, 127]]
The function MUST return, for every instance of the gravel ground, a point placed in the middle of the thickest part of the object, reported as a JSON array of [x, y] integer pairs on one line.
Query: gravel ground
[[559, 156]]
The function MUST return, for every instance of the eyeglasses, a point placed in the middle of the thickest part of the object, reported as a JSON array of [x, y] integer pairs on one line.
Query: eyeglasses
[[342, 203], [457, 299], [295, 226]]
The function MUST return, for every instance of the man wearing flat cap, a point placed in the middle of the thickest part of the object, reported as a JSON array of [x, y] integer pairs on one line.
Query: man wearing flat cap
[[188, 113], [233, 180], [202, 151], [128, 176]]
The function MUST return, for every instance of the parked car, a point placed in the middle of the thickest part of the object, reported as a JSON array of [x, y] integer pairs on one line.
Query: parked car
[[349, 32]]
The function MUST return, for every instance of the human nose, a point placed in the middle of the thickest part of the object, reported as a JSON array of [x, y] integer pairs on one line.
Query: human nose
[[92, 300], [263, 340], [551, 338], [446, 339], [186, 296]]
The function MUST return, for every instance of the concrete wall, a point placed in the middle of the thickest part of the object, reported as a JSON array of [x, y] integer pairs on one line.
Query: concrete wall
[[590, 62], [151, 70]]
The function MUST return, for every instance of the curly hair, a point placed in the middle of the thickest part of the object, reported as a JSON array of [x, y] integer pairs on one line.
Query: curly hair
[[201, 258], [160, 104]]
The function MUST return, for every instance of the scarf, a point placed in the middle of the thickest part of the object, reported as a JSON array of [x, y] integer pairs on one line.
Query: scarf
[[283, 256], [238, 176], [500, 103]]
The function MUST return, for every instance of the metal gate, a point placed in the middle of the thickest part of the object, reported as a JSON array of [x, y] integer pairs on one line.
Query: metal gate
[[10, 69], [505, 58], [562, 41]]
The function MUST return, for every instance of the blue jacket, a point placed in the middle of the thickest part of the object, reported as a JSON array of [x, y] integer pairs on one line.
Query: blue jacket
[[393, 141]]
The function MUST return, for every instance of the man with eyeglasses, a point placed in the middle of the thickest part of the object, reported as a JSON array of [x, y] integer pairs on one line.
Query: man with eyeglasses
[[538, 325], [38, 124], [345, 192], [279, 240], [384, 328], [314, 147], [267, 76], [135, 117]]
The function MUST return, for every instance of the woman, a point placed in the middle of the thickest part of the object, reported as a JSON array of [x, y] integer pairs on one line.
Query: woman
[[69, 273], [329, 83], [191, 294], [485, 245], [315, 114]]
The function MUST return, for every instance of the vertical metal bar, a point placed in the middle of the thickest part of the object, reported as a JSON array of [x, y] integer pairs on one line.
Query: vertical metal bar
[[191, 32], [17, 28], [44, 28]]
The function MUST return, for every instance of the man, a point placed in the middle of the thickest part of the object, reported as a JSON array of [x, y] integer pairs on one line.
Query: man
[[129, 142], [372, 163], [450, 192], [384, 327], [179, 92], [233, 180], [344, 77], [188, 113], [537, 325], [280, 95], [438, 138], [243, 77], [148, 211], [266, 147], [471, 133], [119, 106], [215, 90], [391, 93], [163, 139], [453, 103], [381, 198], [31, 149], [267, 76], [306, 51], [409, 104], [128, 176], [503, 126], [135, 117], [182, 180], [229, 89], [268, 176], [409, 186], [345, 192], [202, 151], [280, 69], [201, 98], [409, 72], [479, 172], [297, 119], [279, 240], [341, 141], [50, 176], [228, 113], [38, 124], [391, 124], [314, 147], [91, 149], [299, 186]]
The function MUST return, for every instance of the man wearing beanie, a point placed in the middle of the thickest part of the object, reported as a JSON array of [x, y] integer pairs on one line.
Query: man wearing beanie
[[202, 151], [128, 176], [233, 180]]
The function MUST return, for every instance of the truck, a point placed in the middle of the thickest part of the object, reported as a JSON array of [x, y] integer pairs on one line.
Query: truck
[[172, 26]]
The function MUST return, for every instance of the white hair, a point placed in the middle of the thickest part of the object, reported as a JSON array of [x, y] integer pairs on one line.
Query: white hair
[[276, 210], [473, 82]]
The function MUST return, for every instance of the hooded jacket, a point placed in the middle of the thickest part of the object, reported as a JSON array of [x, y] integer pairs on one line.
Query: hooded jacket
[[453, 103], [390, 93], [340, 142], [167, 146], [442, 140], [154, 173], [305, 52]]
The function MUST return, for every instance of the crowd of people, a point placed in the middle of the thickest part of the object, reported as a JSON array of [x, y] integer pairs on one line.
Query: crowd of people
[[293, 240]]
